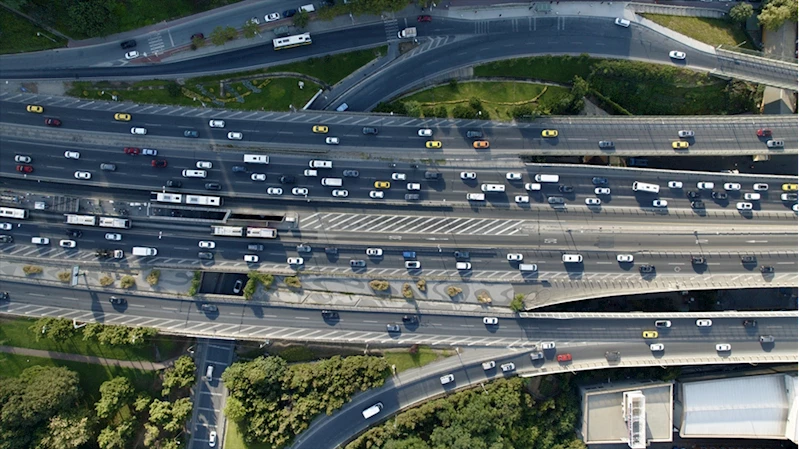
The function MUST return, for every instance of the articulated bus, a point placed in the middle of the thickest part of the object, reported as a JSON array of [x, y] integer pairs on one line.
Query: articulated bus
[[84, 220], [229, 231], [10, 212], [203, 200], [292, 41], [160, 197]]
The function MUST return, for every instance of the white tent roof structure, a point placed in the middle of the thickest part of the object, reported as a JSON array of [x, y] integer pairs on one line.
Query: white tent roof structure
[[744, 407]]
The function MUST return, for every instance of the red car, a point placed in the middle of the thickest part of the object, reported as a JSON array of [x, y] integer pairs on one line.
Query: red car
[[160, 163], [24, 169], [763, 132], [424, 19], [132, 151], [52, 122], [564, 357]]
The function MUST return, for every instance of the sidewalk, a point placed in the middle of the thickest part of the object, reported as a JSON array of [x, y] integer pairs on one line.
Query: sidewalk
[[141, 364]]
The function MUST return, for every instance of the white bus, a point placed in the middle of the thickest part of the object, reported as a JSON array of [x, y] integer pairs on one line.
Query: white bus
[[203, 200], [85, 220], [230, 231], [113, 222], [164, 197], [263, 233], [10, 212], [292, 41], [644, 187]]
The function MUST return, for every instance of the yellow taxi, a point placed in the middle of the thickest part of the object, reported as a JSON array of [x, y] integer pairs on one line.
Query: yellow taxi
[[321, 129], [122, 117], [382, 184], [679, 145], [650, 334], [433, 144], [478, 144], [35, 108], [549, 133], [790, 187]]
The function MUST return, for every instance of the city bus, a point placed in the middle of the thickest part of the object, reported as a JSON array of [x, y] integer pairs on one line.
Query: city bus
[[292, 41], [203, 200], [84, 220], [10, 212], [229, 231], [163, 197], [114, 222], [263, 233]]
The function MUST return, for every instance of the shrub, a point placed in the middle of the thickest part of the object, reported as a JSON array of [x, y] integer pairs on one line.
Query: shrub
[[421, 284], [250, 288], [153, 277], [195, 283], [407, 291], [517, 305], [31, 269], [379, 285], [127, 281], [453, 291], [484, 298], [293, 282], [264, 278], [106, 280], [64, 276]]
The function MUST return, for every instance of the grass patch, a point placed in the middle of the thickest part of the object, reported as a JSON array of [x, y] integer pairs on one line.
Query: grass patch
[[332, 68], [714, 32], [19, 35], [31, 270], [91, 375], [379, 285], [404, 360], [15, 332], [294, 354], [235, 440], [195, 283], [558, 69]]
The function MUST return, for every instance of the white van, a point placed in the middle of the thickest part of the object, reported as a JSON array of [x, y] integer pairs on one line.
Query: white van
[[528, 267], [644, 187], [573, 258], [332, 182], [463, 265], [373, 410], [307, 8], [209, 372], [256, 158], [320, 164], [476, 196], [752, 196], [492, 187], [40, 240], [342, 107], [144, 251], [547, 178], [194, 173]]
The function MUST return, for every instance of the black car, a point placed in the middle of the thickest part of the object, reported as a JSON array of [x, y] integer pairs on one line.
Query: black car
[[209, 308], [599, 181], [191, 133], [698, 260], [646, 268], [692, 194], [606, 144], [556, 200], [412, 196], [750, 323], [329, 315], [410, 319], [566, 189], [766, 269], [4, 295], [331, 251], [213, 186], [117, 301], [351, 173], [432, 175], [748, 259], [698, 204], [285, 179], [206, 255], [719, 195], [172, 183], [74, 233], [461, 254], [6, 239], [289, 12], [239, 169], [357, 263], [474, 134], [369, 130], [613, 356], [128, 44], [255, 247], [102, 253]]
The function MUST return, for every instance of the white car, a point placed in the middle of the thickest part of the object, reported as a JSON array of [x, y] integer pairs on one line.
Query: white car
[[413, 264], [662, 323], [331, 140], [207, 244], [83, 175], [508, 367], [149, 152], [744, 206], [514, 257], [71, 155], [255, 21], [216, 123], [425, 132], [490, 321], [310, 172], [522, 199], [732, 186], [251, 258], [760, 187], [272, 17], [624, 258], [602, 191], [660, 203], [299, 191], [67, 244], [138, 130], [341, 193], [675, 184], [204, 164], [685, 133], [376, 194], [413, 186], [398, 176], [6, 226], [705, 185], [674, 54], [235, 135], [274, 191], [795, 207], [258, 177], [468, 175], [113, 236], [593, 201], [656, 347], [132, 54], [723, 347], [532, 186], [212, 438], [489, 365], [447, 379], [22, 159], [377, 252], [548, 345], [295, 261], [704, 323], [513, 176]]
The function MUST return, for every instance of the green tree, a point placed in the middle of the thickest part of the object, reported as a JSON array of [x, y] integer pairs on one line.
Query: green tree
[[197, 42], [517, 304], [235, 410], [180, 375], [56, 329], [181, 410], [116, 436], [142, 402], [221, 35], [741, 12], [67, 431], [777, 12], [151, 434], [250, 29], [258, 378], [301, 19], [461, 111], [173, 89], [114, 394], [89, 18]]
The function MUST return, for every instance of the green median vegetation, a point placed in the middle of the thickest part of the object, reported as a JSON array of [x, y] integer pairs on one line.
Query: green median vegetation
[[414, 357], [713, 32]]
